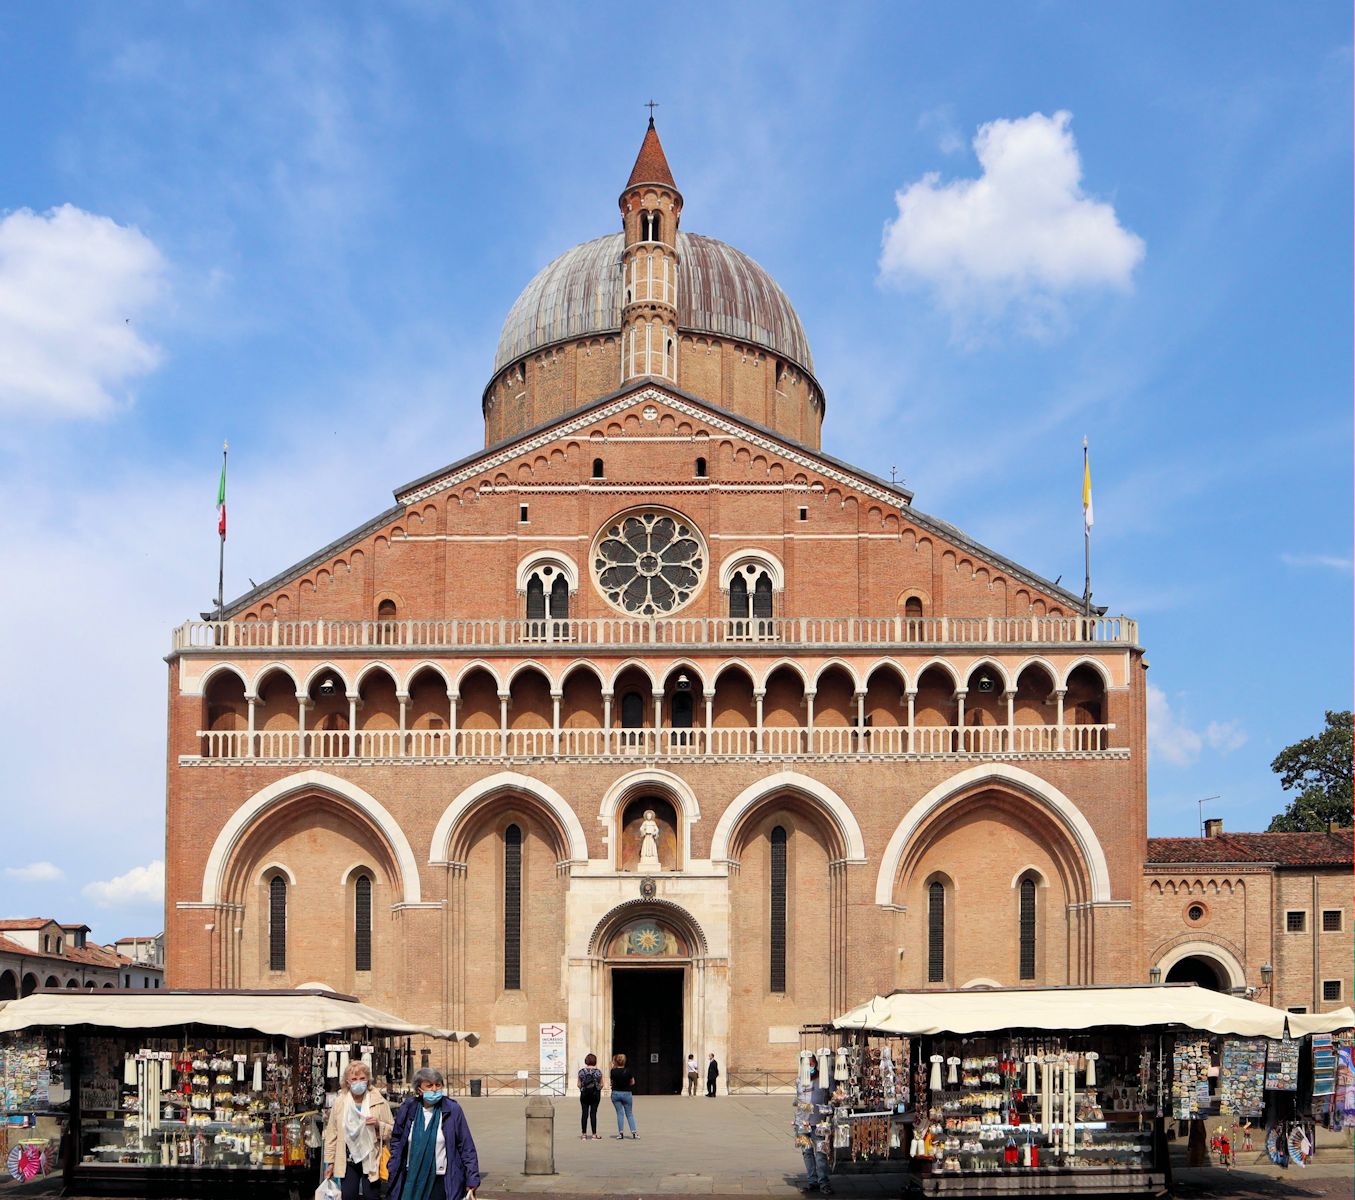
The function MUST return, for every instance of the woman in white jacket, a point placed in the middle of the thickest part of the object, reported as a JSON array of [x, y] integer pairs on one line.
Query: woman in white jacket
[[359, 1125]]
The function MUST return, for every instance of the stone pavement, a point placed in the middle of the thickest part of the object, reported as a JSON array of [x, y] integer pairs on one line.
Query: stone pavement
[[741, 1146]]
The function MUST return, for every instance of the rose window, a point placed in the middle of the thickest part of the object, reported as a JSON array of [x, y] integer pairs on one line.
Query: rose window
[[649, 562]]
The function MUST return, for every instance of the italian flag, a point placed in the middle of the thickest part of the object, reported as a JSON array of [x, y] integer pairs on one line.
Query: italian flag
[[221, 501]]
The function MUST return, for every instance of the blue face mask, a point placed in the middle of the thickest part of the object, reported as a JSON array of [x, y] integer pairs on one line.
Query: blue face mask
[[432, 1097], [358, 1087]]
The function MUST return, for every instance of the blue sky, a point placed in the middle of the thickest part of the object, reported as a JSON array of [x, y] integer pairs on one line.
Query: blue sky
[[299, 227]]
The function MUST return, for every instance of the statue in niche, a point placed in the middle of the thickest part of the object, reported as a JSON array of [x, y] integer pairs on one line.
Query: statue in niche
[[649, 843]]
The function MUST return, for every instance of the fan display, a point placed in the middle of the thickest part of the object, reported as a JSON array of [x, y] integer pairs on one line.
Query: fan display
[[27, 1161]]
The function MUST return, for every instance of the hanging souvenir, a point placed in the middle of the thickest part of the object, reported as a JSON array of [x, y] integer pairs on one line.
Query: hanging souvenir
[[935, 1081], [1091, 1057], [1282, 1064]]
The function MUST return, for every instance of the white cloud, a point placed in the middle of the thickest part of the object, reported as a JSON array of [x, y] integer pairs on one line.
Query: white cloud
[[1171, 736], [72, 287], [38, 872], [1332, 562], [140, 885], [1019, 237], [1225, 736]]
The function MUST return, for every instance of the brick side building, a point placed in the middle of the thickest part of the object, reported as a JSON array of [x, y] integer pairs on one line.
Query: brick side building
[[651, 718]]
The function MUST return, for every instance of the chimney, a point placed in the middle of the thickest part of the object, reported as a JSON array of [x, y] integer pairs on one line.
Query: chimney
[[1213, 827]]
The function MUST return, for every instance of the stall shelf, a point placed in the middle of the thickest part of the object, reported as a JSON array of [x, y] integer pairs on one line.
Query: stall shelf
[[195, 1093], [1025, 1091]]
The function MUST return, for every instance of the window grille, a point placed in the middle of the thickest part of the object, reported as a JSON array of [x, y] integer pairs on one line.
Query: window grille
[[1027, 929], [1331, 989], [936, 933], [362, 923], [1295, 921], [512, 908], [1331, 920], [778, 925], [277, 924]]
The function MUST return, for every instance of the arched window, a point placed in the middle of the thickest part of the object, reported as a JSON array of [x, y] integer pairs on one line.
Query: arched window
[[738, 598], [701, 468], [536, 599], [936, 933], [1027, 928], [777, 982], [632, 710], [912, 607], [597, 468], [277, 924], [362, 923], [512, 908], [385, 622], [547, 600], [762, 597]]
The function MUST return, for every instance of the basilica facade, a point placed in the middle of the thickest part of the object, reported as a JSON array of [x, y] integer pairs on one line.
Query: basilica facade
[[651, 719]]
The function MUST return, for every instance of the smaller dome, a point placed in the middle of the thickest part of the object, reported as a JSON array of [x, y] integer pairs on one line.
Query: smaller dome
[[720, 291]]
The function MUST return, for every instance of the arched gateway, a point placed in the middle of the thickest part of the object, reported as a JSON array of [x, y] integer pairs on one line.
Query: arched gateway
[[652, 992]]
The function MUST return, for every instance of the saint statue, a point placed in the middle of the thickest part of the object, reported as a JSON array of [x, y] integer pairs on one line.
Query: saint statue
[[649, 843]]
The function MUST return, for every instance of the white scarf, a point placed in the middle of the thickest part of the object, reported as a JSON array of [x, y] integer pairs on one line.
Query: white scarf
[[359, 1137]]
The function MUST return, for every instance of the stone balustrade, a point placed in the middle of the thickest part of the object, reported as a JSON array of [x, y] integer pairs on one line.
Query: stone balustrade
[[773, 742], [642, 633]]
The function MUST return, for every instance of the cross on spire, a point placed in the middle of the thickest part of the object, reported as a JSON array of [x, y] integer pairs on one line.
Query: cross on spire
[[651, 105]]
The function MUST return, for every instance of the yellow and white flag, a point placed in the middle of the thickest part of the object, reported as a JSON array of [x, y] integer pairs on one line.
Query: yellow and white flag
[[1087, 520]]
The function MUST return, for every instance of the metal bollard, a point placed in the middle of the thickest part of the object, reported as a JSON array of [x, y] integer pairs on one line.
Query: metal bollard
[[540, 1159]]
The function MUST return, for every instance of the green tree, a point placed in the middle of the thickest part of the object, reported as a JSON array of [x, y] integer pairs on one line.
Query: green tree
[[1320, 767]]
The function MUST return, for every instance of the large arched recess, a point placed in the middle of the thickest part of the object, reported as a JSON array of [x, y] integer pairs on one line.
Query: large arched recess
[[784, 787], [360, 805], [1001, 778], [458, 818]]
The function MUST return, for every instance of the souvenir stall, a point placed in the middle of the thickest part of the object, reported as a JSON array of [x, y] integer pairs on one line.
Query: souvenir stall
[[1057, 1090], [193, 1093]]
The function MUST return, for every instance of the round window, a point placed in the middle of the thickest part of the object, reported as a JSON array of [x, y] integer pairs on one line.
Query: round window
[[1196, 914], [649, 563]]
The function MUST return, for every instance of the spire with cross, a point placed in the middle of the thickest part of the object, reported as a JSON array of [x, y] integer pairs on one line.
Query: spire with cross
[[651, 105]]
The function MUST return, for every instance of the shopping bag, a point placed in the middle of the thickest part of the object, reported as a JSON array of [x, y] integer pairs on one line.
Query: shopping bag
[[384, 1170], [328, 1190]]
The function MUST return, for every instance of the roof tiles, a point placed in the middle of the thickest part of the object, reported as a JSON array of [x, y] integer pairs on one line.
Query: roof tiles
[[1284, 849], [651, 164]]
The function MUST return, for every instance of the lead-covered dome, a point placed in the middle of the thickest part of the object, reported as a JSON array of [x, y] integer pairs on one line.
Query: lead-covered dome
[[720, 291]]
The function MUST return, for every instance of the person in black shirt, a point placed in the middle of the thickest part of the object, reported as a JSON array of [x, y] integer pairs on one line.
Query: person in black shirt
[[712, 1074], [623, 1097]]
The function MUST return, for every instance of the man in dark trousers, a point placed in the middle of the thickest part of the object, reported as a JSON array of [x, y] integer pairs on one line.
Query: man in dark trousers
[[712, 1074]]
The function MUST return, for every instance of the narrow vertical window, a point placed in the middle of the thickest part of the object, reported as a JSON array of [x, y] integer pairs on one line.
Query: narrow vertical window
[[701, 468], [597, 468], [277, 924], [512, 908], [536, 599], [762, 597], [362, 923], [559, 598], [778, 915], [1027, 930], [738, 598], [936, 933]]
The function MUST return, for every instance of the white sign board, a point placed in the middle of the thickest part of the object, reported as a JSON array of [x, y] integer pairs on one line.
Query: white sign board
[[552, 1065]]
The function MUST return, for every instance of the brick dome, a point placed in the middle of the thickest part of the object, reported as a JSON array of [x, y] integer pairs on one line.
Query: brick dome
[[720, 291]]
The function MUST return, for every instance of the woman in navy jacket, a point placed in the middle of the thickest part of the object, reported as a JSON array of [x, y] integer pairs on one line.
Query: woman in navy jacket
[[432, 1154]]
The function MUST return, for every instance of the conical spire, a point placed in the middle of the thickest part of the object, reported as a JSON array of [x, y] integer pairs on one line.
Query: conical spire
[[651, 165]]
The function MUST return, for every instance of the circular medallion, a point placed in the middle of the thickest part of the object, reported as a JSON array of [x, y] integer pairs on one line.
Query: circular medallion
[[649, 562], [648, 889]]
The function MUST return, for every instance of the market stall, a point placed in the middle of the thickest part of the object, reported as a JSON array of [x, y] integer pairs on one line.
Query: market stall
[[1053, 1090], [193, 1093]]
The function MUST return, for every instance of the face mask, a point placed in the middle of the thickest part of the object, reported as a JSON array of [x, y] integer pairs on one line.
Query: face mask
[[358, 1087], [432, 1097]]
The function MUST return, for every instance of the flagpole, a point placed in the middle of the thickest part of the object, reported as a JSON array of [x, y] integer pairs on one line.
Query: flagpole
[[221, 556], [1086, 538]]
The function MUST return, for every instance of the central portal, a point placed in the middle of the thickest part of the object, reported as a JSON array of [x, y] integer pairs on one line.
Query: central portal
[[647, 1026]]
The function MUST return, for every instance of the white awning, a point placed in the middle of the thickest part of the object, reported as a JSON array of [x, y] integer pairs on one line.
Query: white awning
[[987, 1010], [286, 1014], [1327, 1022]]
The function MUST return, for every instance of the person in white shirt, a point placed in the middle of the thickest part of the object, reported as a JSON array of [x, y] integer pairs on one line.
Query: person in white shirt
[[693, 1072]]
